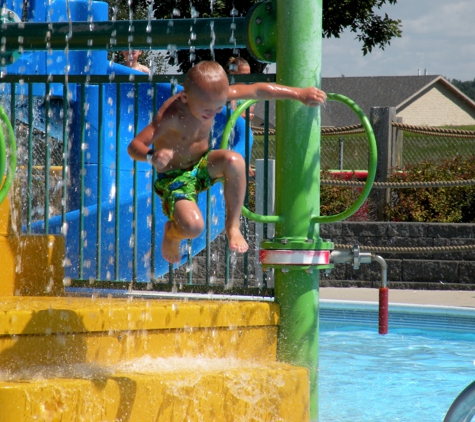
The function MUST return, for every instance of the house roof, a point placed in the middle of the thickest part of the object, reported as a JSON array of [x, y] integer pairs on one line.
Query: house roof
[[367, 92]]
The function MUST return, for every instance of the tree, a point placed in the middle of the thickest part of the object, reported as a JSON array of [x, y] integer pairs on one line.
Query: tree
[[358, 15], [467, 87]]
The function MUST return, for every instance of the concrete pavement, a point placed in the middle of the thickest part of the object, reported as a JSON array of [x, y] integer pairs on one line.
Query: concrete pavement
[[419, 297]]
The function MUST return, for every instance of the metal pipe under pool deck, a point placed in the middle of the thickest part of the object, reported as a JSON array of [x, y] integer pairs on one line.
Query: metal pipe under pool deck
[[356, 258]]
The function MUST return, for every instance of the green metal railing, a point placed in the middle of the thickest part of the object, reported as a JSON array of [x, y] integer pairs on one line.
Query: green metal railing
[[44, 176]]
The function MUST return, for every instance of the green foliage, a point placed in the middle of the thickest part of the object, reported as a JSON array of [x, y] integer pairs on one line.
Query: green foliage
[[444, 205], [336, 199], [467, 87], [360, 17]]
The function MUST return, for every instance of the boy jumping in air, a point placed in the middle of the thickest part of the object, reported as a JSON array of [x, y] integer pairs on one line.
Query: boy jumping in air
[[186, 166]]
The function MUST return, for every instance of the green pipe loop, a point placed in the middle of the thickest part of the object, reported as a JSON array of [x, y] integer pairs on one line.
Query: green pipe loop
[[3, 155], [373, 155], [232, 121], [3, 151], [259, 218], [373, 161]]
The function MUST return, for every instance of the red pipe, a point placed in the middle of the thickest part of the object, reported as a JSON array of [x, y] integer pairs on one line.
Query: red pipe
[[383, 310], [349, 174]]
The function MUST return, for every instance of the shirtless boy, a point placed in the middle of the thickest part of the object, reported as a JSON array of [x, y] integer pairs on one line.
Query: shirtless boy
[[179, 134]]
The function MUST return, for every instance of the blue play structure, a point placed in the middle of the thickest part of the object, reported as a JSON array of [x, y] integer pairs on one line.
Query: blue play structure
[[112, 221]]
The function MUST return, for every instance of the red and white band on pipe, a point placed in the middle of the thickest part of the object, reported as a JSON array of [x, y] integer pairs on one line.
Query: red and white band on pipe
[[293, 257]]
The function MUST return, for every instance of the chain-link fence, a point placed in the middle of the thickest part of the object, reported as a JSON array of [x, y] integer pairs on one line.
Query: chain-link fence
[[260, 146], [436, 148], [345, 152], [346, 148], [338, 152]]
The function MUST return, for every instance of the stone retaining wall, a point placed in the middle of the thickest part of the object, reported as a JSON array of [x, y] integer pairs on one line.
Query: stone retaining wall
[[446, 270]]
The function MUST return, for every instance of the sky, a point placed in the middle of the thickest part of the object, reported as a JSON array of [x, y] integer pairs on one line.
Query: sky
[[438, 37]]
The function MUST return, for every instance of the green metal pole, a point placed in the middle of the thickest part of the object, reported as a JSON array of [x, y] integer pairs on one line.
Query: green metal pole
[[298, 55]]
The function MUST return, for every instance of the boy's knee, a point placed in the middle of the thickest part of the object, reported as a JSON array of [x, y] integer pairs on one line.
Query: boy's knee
[[189, 224], [235, 159], [192, 228]]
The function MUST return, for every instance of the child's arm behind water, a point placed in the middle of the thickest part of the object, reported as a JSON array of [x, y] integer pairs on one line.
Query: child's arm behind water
[[310, 96]]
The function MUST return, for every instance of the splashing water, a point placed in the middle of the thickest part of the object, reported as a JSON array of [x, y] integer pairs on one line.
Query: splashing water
[[213, 39], [232, 265]]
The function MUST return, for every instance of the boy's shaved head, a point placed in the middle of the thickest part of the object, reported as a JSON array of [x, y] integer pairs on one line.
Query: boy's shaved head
[[206, 76]]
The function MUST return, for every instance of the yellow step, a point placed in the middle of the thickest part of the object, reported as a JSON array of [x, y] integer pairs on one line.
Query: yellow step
[[51, 330], [170, 390]]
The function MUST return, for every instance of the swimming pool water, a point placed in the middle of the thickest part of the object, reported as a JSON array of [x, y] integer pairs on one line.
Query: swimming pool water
[[410, 374]]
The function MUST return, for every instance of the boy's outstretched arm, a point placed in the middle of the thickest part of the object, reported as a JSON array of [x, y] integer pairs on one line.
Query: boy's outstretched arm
[[310, 96]]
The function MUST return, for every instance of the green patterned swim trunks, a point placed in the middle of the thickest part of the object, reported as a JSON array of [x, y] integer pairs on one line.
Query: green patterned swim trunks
[[182, 184]]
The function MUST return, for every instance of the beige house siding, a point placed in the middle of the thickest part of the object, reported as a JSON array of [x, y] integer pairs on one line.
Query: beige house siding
[[439, 106]]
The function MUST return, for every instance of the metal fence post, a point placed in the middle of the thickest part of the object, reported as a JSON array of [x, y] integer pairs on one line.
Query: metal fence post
[[381, 119], [340, 155], [396, 151], [264, 196]]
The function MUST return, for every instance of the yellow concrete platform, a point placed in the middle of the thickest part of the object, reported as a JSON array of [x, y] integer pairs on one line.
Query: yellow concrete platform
[[111, 359], [223, 391], [32, 265], [85, 359], [100, 359]]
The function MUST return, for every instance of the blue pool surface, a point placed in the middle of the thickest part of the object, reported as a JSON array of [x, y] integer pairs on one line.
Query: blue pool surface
[[412, 374]]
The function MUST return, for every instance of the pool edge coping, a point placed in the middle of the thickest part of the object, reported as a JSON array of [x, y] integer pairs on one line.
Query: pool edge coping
[[400, 307]]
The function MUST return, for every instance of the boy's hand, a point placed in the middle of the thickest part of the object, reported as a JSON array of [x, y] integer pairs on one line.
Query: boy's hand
[[312, 96], [161, 158]]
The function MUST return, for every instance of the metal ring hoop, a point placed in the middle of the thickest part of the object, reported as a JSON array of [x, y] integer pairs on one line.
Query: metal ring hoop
[[373, 162], [373, 155]]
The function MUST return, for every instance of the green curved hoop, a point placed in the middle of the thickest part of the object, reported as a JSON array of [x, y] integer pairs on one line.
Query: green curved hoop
[[232, 121], [373, 158], [3, 151], [224, 145], [373, 161], [3, 155]]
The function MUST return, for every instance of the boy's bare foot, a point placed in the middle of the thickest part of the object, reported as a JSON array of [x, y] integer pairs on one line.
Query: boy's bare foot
[[236, 241], [170, 245]]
